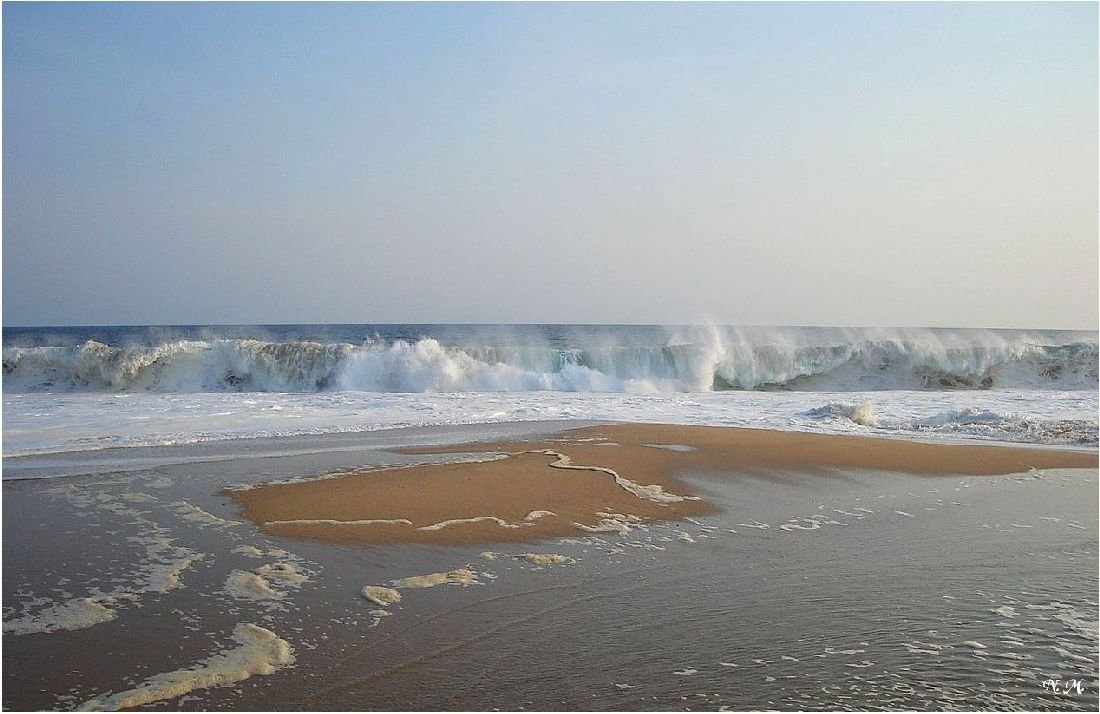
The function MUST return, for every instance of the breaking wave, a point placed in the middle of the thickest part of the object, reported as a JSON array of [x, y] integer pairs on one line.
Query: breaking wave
[[969, 422], [708, 362]]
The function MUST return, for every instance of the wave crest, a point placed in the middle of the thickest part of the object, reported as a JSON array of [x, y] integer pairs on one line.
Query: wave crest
[[969, 422], [707, 363]]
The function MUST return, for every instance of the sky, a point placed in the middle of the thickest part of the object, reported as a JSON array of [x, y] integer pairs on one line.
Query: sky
[[771, 164]]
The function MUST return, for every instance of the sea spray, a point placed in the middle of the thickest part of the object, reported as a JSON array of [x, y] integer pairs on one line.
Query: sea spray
[[694, 359]]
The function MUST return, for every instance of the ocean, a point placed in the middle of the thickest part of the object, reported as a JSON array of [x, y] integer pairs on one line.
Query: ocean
[[84, 388], [132, 577]]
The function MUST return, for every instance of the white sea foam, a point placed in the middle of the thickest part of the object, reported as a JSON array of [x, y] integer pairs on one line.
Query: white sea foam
[[250, 586], [380, 595], [194, 514], [543, 558], [862, 414], [332, 522], [611, 523], [259, 652], [651, 492], [461, 577], [47, 422], [164, 576], [685, 359], [75, 614], [1035, 387], [286, 573], [464, 521], [158, 570]]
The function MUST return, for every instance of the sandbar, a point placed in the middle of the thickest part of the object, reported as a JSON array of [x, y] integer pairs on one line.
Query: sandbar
[[573, 482]]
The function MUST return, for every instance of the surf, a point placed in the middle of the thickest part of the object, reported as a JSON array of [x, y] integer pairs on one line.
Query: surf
[[610, 359]]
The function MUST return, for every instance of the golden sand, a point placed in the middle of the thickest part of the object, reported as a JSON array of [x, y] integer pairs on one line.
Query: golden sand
[[602, 478]]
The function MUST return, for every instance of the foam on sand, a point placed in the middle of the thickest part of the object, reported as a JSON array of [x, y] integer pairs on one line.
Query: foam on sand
[[543, 558], [611, 523], [652, 492], [683, 448], [528, 521], [158, 571], [380, 595], [250, 586], [284, 572], [190, 512], [165, 576], [75, 614], [257, 584], [461, 577], [259, 651], [463, 521], [332, 522]]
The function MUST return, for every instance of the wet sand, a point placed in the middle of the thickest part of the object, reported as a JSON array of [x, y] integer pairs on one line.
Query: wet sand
[[591, 480], [808, 584]]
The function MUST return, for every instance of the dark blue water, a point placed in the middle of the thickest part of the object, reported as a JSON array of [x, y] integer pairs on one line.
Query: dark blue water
[[561, 336]]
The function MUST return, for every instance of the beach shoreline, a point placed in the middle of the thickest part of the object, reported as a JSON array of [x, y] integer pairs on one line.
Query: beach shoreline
[[589, 480], [780, 562]]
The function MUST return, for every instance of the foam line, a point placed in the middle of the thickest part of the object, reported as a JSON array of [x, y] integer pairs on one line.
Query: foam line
[[191, 512], [331, 522], [461, 576], [652, 492], [462, 521], [259, 651], [543, 558]]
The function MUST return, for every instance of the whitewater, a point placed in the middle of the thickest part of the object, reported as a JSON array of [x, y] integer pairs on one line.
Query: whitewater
[[73, 389]]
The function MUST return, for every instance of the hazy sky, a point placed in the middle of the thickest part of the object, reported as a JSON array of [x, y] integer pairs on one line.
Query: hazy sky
[[855, 164]]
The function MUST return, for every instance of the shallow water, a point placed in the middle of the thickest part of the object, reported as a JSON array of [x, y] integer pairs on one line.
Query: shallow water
[[843, 591]]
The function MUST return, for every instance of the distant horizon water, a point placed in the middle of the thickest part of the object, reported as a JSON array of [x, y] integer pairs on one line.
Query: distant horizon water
[[533, 323]]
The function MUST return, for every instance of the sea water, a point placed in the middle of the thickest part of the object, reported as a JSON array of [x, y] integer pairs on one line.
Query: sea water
[[135, 579], [84, 388]]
